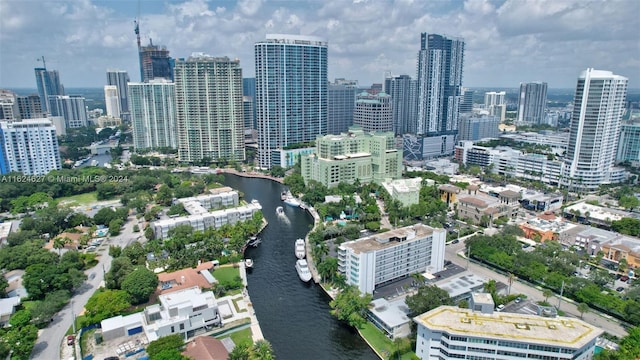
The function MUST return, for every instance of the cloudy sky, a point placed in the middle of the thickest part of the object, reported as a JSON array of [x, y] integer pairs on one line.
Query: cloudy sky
[[507, 41]]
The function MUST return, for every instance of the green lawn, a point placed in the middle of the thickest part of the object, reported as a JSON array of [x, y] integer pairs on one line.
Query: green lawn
[[380, 341], [80, 199], [240, 336], [226, 273]]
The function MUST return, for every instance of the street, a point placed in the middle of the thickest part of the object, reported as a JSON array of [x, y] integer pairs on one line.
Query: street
[[50, 338], [609, 325]]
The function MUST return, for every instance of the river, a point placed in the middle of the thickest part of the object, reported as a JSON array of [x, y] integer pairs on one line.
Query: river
[[294, 316]]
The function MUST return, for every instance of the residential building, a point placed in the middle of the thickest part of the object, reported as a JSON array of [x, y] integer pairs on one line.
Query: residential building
[[373, 112], [476, 127], [479, 207], [286, 158], [30, 107], [216, 199], [29, 146], [403, 90], [119, 79], [207, 348], [291, 92], [112, 101], [209, 116], [439, 84], [199, 277], [249, 90], [107, 121], [8, 105], [155, 62], [341, 99], [48, 84], [629, 143], [7, 308], [532, 102], [495, 104], [546, 227], [379, 259], [407, 191], [557, 141], [595, 214], [595, 131], [352, 156], [614, 246], [466, 105], [390, 316], [153, 114], [71, 107], [450, 332], [462, 286]]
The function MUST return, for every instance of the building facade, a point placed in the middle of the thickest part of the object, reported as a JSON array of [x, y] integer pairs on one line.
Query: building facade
[[476, 127], [71, 107], [29, 147], [532, 102], [119, 79], [629, 143], [341, 103], [595, 131], [48, 84], [402, 90], [209, 114], [155, 62], [153, 114], [112, 101], [352, 156], [382, 258], [30, 107], [291, 92], [496, 104], [373, 112]]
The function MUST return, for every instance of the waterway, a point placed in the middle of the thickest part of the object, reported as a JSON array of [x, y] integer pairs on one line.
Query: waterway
[[294, 316]]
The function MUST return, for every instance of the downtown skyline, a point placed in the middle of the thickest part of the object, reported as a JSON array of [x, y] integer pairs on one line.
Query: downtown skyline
[[507, 42]]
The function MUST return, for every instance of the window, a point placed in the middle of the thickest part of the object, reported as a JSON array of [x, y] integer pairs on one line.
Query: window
[[181, 326]]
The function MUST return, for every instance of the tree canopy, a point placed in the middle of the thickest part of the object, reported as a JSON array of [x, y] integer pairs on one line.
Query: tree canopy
[[427, 298]]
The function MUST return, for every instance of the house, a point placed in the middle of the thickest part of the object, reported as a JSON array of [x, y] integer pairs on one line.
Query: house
[[187, 278], [7, 308], [207, 348]]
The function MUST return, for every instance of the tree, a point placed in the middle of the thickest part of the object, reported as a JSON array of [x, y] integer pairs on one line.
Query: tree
[[350, 307], [622, 265], [241, 351], [427, 298], [170, 342], [120, 268], [547, 294], [114, 227], [105, 304], [582, 308], [328, 268], [20, 318], [140, 284], [262, 350], [164, 196], [629, 202]]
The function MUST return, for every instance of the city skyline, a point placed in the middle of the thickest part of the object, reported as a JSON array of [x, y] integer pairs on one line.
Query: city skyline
[[81, 39]]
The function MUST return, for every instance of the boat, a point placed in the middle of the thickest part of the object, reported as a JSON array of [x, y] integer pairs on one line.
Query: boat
[[279, 210], [291, 201], [284, 195], [248, 263], [303, 270], [300, 249], [254, 242]]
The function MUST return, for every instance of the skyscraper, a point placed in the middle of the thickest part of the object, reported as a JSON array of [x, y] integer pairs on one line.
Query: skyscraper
[[629, 144], [153, 114], [291, 92], [373, 113], [30, 107], [48, 84], [112, 101], [119, 79], [155, 62], [29, 147], [532, 102], [341, 102], [249, 90], [402, 90], [594, 132], [495, 103], [209, 113], [72, 108], [8, 105], [466, 105]]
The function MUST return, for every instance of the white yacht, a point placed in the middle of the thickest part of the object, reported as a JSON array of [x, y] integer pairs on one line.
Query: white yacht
[[303, 270], [300, 249], [279, 210], [248, 263]]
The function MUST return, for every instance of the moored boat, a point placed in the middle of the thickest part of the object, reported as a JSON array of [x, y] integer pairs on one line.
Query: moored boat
[[303, 270], [291, 201], [300, 249], [248, 263]]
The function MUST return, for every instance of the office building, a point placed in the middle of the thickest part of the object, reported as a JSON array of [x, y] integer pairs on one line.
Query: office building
[[112, 101], [629, 143], [155, 62], [373, 113], [449, 332], [532, 102], [375, 260], [29, 147], [466, 105], [291, 92], [153, 114], [71, 107], [119, 79], [402, 90], [30, 107], [352, 156], [440, 63], [495, 104], [48, 84], [595, 131], [341, 103], [475, 127], [209, 114]]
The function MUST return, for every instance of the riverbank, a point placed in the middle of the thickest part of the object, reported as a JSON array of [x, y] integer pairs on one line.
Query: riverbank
[[251, 174]]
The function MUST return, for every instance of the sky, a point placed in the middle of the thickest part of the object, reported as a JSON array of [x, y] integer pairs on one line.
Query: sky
[[506, 41]]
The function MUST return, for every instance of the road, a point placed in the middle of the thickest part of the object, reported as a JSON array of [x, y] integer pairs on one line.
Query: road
[[609, 325], [50, 338]]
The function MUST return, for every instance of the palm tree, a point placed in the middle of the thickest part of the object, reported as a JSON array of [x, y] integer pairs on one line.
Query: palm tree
[[59, 243], [418, 278], [262, 350]]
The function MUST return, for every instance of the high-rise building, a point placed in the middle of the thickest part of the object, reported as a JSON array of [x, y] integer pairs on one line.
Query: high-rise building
[[629, 144], [71, 107], [495, 103], [373, 112], [8, 105], [48, 84], [598, 107], [155, 62], [440, 62], [29, 147], [209, 108], [30, 107], [249, 89], [119, 79], [112, 101], [466, 105], [532, 102], [402, 90], [341, 102], [291, 92], [476, 127], [153, 114]]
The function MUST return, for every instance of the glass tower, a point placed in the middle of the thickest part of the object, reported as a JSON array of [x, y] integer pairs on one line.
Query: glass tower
[[119, 79], [532, 102], [48, 84]]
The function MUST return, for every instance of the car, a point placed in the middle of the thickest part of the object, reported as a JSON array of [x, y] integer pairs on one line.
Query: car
[[500, 307], [455, 241], [518, 299], [619, 289], [624, 278], [71, 340]]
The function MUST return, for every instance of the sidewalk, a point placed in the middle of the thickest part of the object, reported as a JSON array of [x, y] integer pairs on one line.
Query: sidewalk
[[256, 332]]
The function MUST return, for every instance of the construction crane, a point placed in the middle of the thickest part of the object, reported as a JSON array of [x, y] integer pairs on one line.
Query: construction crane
[[44, 64]]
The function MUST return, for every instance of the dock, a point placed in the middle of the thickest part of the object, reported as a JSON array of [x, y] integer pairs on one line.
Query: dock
[[310, 262], [256, 332]]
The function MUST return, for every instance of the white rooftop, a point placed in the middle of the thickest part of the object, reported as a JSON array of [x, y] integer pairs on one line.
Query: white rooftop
[[393, 313], [120, 321]]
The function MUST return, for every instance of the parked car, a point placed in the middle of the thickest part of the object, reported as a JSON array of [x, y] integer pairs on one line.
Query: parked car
[[71, 340], [619, 289], [500, 307], [455, 241], [518, 299], [624, 278]]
